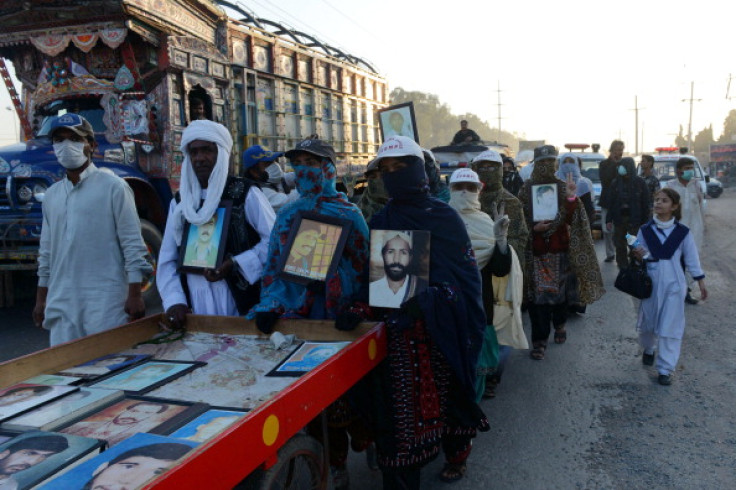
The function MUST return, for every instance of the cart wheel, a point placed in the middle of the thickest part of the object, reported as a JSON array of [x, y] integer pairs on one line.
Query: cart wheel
[[299, 467]]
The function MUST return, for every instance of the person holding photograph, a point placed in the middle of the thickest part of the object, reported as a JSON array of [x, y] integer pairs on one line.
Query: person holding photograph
[[665, 245], [234, 286], [556, 248], [92, 259], [314, 163], [135, 467], [434, 339], [26, 453]]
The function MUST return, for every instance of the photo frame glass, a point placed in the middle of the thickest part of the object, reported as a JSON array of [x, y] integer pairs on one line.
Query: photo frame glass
[[398, 120], [314, 247], [399, 266], [20, 398], [306, 357], [203, 246], [147, 376], [208, 425], [544, 202], [103, 366]]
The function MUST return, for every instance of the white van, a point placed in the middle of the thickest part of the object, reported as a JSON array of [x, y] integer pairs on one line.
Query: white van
[[665, 166]]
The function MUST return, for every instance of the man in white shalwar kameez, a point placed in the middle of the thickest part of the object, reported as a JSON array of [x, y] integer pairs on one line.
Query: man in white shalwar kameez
[[204, 179], [92, 258]]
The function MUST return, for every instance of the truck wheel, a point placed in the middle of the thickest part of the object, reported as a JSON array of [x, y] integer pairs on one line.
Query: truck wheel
[[300, 466], [152, 238]]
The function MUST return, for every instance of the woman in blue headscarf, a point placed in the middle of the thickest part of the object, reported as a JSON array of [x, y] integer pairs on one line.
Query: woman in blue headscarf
[[426, 386], [314, 165], [569, 165]]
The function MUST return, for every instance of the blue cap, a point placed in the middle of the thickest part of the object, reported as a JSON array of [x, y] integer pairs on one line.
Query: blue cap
[[256, 154], [73, 122]]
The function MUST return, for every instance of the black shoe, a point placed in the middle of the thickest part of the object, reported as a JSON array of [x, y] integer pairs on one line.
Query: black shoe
[[665, 379], [610, 258], [647, 359], [690, 300]]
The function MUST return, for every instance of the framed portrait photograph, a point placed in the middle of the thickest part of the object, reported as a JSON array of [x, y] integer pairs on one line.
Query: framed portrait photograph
[[22, 397], [314, 247], [306, 357], [129, 464], [147, 376], [208, 425], [41, 454], [544, 202], [53, 379], [122, 419], [398, 120], [103, 366], [399, 266], [203, 246]]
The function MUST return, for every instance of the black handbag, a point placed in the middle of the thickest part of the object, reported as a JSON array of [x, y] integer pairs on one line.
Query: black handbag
[[634, 280]]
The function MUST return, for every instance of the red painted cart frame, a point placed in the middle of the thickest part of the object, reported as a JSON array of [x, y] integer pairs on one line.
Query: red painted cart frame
[[254, 441]]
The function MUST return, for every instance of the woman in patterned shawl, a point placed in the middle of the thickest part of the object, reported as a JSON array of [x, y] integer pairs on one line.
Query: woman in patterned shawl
[[424, 398], [556, 247]]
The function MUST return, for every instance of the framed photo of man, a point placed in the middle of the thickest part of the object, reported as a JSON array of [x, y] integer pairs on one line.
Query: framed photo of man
[[544, 202], [203, 246], [314, 247], [147, 376], [399, 266], [398, 120]]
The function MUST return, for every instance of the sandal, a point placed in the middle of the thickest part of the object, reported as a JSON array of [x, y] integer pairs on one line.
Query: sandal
[[537, 353], [453, 472], [560, 335]]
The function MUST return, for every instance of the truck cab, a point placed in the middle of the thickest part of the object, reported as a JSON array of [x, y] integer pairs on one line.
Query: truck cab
[[452, 157]]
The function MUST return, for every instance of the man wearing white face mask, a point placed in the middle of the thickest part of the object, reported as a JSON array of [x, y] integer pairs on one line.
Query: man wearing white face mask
[[92, 257], [260, 165]]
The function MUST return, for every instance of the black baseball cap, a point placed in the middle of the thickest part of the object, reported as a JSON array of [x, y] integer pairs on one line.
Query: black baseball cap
[[315, 147]]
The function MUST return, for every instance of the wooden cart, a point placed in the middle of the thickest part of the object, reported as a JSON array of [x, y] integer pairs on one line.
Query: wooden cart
[[266, 445]]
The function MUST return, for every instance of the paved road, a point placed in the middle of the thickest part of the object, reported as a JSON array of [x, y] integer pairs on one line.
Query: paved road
[[590, 415]]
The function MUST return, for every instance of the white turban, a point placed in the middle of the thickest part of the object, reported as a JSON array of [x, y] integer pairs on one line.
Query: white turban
[[189, 188]]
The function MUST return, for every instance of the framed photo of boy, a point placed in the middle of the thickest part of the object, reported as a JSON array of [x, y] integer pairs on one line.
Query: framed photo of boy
[[203, 246], [398, 120], [544, 202], [314, 247]]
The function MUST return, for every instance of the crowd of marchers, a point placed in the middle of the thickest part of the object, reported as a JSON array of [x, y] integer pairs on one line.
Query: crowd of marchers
[[498, 245]]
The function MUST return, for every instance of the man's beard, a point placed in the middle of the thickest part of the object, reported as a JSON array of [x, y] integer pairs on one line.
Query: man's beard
[[395, 272]]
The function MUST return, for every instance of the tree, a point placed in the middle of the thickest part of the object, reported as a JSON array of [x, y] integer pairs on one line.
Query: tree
[[729, 128], [703, 140], [680, 139]]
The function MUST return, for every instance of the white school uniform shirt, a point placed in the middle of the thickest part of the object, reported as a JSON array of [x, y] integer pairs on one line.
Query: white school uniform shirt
[[214, 298], [91, 249]]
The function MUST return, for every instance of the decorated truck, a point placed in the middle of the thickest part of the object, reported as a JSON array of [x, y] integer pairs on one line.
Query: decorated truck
[[135, 69]]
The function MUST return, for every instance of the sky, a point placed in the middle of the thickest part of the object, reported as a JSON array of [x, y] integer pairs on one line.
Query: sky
[[569, 71]]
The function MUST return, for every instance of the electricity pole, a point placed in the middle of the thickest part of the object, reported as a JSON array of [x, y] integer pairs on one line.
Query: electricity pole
[[498, 104], [690, 120], [636, 110]]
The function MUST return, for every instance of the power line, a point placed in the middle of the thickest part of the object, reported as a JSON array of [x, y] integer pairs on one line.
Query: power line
[[351, 20]]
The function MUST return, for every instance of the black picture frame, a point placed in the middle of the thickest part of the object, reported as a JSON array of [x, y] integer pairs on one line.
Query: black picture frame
[[302, 358], [403, 112], [99, 368], [121, 380], [188, 262], [323, 238]]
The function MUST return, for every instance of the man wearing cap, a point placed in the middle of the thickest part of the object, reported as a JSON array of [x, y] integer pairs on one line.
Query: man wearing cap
[[424, 398], [557, 247], [233, 286], [314, 162], [92, 258], [488, 165], [398, 283], [260, 165]]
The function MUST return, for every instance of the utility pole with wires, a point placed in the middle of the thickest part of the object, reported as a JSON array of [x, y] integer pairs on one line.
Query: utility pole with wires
[[636, 110], [498, 104], [690, 119], [728, 86]]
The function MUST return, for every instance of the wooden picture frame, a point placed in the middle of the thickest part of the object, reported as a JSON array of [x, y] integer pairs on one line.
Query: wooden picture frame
[[203, 246], [314, 247], [147, 376], [398, 120]]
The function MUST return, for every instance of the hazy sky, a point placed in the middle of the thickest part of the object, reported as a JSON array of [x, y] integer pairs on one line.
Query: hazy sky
[[568, 70]]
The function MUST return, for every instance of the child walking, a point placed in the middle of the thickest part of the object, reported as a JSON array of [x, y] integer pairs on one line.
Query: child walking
[[665, 243]]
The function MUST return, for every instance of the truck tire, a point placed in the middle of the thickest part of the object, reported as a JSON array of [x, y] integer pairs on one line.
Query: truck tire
[[152, 238], [300, 465]]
